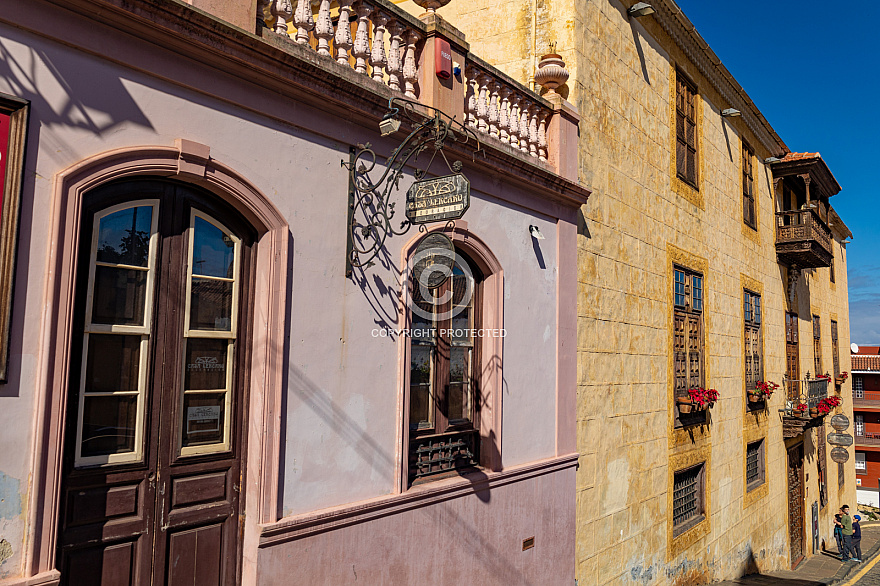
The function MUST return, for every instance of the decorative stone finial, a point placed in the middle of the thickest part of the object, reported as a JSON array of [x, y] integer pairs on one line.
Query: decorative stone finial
[[431, 5], [551, 71]]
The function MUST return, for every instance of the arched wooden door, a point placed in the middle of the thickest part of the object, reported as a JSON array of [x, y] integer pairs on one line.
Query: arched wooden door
[[156, 402]]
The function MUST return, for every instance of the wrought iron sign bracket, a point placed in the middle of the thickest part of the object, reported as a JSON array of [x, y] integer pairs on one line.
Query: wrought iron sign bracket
[[370, 209]]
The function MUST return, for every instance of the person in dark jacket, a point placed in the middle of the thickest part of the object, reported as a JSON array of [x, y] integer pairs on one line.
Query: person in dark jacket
[[857, 539]]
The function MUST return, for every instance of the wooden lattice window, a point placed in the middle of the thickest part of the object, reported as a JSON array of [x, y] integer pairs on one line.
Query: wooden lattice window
[[686, 130], [835, 355], [754, 354], [754, 465], [817, 346], [748, 185], [687, 498], [688, 332]]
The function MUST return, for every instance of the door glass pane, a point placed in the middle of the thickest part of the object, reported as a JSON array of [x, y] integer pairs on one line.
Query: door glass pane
[[203, 415], [119, 296], [211, 305], [113, 362], [124, 237], [108, 424], [213, 250], [205, 364], [458, 403], [420, 386]]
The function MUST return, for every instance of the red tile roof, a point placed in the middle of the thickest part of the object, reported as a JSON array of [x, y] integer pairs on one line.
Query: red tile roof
[[865, 362], [868, 351], [800, 156]]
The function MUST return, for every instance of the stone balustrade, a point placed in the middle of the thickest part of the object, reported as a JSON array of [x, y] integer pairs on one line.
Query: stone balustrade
[[372, 37], [498, 106]]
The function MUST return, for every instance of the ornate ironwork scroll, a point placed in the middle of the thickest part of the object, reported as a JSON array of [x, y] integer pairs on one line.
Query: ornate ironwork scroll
[[370, 209]]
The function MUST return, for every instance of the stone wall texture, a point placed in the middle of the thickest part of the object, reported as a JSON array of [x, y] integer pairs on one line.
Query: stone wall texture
[[639, 221]]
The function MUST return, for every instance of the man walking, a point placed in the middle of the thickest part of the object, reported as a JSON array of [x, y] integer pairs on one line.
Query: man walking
[[847, 530]]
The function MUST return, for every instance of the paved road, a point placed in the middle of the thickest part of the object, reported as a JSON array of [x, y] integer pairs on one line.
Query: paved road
[[870, 578]]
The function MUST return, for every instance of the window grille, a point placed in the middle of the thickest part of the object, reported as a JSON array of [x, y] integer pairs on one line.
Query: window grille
[[860, 424], [858, 388], [687, 497]]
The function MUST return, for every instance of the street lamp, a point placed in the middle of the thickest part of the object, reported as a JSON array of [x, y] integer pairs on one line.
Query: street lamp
[[640, 9]]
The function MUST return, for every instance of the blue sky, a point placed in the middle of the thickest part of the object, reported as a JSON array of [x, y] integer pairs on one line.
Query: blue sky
[[812, 68]]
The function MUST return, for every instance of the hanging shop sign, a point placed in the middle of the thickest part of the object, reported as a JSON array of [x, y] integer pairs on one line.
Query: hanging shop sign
[[840, 439], [433, 260], [840, 422], [13, 128], [371, 209], [438, 200], [839, 455]]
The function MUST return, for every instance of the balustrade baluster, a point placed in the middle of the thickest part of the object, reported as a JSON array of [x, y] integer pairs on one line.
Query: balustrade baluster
[[303, 20], [542, 135], [504, 115], [395, 67], [493, 109], [410, 64], [362, 37], [483, 102], [377, 55], [324, 28], [533, 131], [282, 10], [262, 6], [513, 123], [471, 98], [524, 126], [342, 41]]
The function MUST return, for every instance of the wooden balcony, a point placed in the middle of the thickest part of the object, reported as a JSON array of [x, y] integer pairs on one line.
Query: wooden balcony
[[868, 440], [807, 391], [868, 400], [802, 239]]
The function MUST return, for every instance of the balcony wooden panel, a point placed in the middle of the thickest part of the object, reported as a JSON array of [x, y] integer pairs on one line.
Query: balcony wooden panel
[[870, 440], [802, 239]]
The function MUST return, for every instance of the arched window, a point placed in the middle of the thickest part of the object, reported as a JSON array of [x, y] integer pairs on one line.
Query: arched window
[[453, 365]]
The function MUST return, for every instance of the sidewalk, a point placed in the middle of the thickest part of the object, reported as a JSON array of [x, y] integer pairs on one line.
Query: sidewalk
[[820, 569]]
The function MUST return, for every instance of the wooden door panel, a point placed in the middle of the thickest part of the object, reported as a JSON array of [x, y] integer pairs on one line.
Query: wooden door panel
[[103, 565], [103, 503], [195, 556], [193, 490], [796, 503]]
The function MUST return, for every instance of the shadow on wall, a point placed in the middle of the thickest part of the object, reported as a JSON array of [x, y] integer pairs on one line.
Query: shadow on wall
[[56, 100]]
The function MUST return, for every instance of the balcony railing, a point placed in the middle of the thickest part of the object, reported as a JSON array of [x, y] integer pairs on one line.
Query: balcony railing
[[809, 392], [869, 400], [869, 439], [381, 41], [802, 239]]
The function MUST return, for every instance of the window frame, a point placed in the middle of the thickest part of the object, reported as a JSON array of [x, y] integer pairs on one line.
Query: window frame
[[700, 497], [689, 315], [817, 346], [858, 425], [687, 113], [761, 477], [491, 347], [835, 353], [753, 320], [858, 387], [144, 331], [748, 187], [863, 469]]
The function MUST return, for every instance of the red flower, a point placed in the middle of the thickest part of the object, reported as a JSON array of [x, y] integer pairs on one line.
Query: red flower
[[703, 398]]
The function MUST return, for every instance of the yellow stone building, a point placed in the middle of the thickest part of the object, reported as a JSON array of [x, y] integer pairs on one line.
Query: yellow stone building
[[691, 274]]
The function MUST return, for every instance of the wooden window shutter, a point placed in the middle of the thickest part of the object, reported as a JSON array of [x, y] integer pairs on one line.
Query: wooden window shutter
[[680, 357], [695, 352]]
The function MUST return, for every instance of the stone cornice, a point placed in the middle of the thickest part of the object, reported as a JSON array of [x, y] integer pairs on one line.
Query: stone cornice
[[682, 31]]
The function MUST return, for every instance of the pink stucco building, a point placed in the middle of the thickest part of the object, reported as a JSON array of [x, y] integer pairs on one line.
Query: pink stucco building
[[199, 389]]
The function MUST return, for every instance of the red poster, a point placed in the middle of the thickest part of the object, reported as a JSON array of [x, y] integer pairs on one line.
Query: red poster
[[4, 153]]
